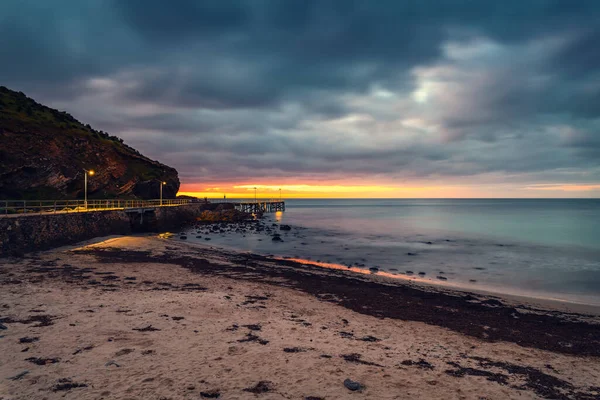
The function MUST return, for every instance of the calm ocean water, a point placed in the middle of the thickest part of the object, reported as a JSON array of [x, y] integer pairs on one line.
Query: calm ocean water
[[541, 248]]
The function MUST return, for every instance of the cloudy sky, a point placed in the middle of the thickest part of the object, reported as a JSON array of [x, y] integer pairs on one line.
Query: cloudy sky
[[328, 98]]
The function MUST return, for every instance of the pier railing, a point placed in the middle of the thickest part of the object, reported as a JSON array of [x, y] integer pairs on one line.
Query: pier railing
[[31, 207], [21, 207]]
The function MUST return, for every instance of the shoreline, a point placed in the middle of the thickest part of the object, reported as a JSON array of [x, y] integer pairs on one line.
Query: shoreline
[[550, 303], [139, 316], [419, 263]]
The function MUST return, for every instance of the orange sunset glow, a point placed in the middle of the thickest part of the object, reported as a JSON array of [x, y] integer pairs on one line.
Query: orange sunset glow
[[315, 191], [331, 191]]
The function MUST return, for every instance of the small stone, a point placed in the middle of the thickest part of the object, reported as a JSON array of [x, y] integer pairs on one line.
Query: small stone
[[351, 385], [28, 339]]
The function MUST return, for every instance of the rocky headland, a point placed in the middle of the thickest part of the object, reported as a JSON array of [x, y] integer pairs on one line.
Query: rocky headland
[[43, 154]]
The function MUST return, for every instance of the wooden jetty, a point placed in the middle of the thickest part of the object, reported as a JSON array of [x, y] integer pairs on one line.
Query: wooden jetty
[[261, 206]]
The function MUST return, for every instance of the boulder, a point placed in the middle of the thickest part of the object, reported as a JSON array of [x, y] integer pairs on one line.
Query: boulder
[[352, 385]]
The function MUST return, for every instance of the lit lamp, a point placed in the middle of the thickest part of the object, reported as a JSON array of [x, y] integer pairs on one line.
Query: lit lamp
[[161, 186], [90, 173]]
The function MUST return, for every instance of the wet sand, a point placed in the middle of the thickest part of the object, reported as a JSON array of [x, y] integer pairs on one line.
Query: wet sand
[[143, 317]]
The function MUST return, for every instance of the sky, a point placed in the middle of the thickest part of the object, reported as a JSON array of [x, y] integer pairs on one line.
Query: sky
[[339, 98]]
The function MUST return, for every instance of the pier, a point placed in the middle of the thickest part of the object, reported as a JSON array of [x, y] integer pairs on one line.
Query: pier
[[17, 208], [261, 206], [33, 225]]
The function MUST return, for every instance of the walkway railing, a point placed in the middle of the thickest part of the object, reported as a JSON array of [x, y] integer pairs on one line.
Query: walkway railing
[[238, 201], [31, 207], [26, 207]]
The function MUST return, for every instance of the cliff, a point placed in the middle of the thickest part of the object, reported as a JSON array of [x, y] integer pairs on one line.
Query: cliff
[[43, 154]]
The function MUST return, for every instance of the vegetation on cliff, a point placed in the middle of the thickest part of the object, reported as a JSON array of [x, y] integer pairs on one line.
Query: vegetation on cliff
[[43, 154]]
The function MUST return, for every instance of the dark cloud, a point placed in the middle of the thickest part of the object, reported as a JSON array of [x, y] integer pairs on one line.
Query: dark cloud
[[187, 18], [318, 88]]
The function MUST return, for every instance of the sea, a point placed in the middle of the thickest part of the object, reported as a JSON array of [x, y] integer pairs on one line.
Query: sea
[[540, 248]]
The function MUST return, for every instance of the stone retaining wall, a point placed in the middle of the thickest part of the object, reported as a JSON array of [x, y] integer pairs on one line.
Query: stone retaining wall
[[28, 233]]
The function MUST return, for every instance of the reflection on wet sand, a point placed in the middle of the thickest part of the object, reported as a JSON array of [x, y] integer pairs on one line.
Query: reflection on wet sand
[[359, 270]]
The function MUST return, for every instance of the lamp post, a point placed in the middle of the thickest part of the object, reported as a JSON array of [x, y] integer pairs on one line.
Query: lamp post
[[279, 194], [161, 186], [86, 173], [255, 194]]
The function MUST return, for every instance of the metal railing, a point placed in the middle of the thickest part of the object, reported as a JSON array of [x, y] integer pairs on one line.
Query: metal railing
[[237, 201], [32, 207], [28, 207]]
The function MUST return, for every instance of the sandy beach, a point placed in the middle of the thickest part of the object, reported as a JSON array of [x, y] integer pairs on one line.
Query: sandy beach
[[145, 317]]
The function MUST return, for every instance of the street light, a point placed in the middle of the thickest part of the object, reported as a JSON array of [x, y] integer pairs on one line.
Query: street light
[[90, 173], [255, 194], [279, 194], [161, 185]]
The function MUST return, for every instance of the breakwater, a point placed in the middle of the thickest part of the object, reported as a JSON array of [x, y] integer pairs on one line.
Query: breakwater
[[26, 233]]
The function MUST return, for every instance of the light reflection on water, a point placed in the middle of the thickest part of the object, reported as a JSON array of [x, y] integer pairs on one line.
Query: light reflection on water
[[278, 216], [390, 275]]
